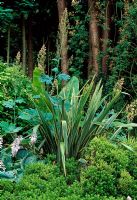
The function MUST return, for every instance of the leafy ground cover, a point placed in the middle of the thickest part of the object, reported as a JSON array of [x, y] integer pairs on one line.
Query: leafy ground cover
[[107, 171]]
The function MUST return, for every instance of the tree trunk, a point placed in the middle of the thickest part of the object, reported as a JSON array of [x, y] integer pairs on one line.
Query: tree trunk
[[8, 46], [23, 44], [93, 39], [61, 8], [30, 49], [105, 38], [63, 35]]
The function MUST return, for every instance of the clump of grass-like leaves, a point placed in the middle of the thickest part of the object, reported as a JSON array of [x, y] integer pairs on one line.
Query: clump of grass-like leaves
[[77, 117]]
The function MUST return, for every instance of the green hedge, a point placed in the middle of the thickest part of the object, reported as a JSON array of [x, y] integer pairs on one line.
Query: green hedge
[[111, 170], [106, 176]]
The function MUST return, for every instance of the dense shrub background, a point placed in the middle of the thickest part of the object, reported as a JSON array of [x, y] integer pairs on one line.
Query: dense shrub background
[[15, 88]]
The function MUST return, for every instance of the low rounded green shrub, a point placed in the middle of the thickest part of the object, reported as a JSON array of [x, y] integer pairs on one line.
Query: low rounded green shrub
[[73, 170], [127, 183], [100, 179], [44, 178], [6, 185], [101, 149], [132, 167], [111, 169], [98, 197]]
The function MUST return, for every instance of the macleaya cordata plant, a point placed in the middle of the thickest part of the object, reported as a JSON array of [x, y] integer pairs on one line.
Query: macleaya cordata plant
[[42, 57], [62, 46], [74, 2], [131, 110]]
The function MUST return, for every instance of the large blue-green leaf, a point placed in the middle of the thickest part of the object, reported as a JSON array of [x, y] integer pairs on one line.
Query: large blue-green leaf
[[9, 127], [7, 159], [31, 114], [9, 104], [63, 77], [28, 114], [29, 160], [46, 79], [7, 175], [22, 153]]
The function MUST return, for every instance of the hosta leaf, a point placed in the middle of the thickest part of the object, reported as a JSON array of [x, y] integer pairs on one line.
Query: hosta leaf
[[7, 175], [29, 160], [22, 153], [9, 104], [7, 160]]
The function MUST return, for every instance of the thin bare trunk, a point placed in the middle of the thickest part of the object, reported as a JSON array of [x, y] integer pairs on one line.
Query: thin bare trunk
[[61, 8], [93, 39], [8, 46], [30, 49], [105, 39], [23, 44], [63, 36]]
